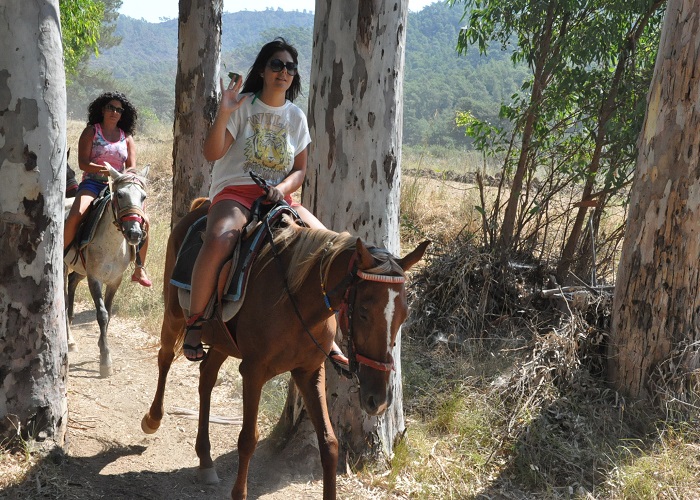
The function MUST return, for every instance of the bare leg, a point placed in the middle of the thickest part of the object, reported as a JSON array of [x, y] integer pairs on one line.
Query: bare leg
[[139, 275], [225, 221], [77, 212], [309, 218]]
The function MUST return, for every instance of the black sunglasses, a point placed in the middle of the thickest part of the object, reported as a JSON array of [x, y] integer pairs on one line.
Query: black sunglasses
[[276, 65], [109, 107]]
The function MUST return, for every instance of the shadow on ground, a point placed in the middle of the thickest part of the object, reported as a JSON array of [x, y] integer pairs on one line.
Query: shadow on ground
[[67, 477]]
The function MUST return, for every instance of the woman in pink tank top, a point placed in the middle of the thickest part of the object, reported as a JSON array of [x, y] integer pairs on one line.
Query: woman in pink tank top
[[107, 139]]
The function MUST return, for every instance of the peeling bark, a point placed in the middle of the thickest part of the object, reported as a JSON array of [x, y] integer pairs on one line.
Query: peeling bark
[[657, 299], [196, 99], [353, 177], [33, 348]]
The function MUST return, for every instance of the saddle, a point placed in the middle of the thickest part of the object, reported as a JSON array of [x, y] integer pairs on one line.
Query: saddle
[[88, 227], [86, 231], [233, 279]]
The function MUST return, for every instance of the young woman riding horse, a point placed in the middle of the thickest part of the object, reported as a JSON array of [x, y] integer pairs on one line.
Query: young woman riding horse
[[287, 321], [257, 129], [106, 140]]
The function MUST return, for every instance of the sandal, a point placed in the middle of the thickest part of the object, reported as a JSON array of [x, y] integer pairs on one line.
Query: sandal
[[194, 352], [340, 363], [143, 281], [338, 357]]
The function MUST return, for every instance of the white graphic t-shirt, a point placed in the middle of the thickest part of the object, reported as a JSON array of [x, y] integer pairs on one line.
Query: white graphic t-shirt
[[266, 140]]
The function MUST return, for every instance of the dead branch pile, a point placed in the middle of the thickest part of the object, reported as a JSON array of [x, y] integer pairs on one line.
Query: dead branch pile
[[464, 294], [553, 392], [675, 382]]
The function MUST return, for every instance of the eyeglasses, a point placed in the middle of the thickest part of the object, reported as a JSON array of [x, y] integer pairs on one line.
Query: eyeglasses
[[109, 107], [276, 65]]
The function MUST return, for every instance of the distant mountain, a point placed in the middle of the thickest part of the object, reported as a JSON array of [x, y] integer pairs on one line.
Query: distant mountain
[[437, 80]]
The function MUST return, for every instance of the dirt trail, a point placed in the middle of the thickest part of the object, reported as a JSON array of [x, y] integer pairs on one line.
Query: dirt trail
[[110, 457]]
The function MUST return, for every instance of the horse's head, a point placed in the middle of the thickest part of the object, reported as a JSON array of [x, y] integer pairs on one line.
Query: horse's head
[[128, 198], [376, 308]]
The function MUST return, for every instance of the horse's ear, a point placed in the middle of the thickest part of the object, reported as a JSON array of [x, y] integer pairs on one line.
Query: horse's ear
[[112, 172], [144, 171], [364, 257], [409, 260]]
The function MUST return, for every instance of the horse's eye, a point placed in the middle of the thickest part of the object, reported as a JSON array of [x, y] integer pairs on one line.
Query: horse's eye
[[120, 194], [363, 313]]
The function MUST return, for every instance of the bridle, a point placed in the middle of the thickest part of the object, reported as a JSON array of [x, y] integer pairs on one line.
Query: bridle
[[348, 288], [130, 212]]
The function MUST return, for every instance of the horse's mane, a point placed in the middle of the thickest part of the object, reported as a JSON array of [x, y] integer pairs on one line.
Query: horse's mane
[[312, 245], [198, 202]]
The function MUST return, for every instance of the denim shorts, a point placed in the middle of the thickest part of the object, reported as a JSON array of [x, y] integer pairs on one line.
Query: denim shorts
[[95, 187]]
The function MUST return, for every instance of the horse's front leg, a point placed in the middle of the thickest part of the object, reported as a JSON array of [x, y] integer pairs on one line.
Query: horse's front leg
[[103, 321], [253, 382], [72, 279], [171, 328], [208, 371], [312, 386]]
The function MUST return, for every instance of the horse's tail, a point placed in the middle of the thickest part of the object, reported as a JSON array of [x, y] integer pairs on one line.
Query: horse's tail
[[198, 202]]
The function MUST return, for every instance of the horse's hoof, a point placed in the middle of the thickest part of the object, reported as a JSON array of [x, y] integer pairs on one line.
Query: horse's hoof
[[106, 371], [72, 347], [149, 425], [207, 476]]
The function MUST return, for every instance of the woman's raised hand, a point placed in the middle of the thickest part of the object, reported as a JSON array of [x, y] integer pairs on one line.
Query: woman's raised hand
[[230, 100]]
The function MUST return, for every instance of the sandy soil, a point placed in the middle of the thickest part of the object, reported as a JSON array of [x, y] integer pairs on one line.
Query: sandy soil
[[110, 457]]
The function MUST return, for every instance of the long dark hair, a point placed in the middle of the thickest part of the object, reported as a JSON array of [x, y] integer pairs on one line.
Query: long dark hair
[[127, 121], [254, 81]]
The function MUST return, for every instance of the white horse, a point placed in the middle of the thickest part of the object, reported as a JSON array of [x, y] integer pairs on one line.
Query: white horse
[[117, 235]]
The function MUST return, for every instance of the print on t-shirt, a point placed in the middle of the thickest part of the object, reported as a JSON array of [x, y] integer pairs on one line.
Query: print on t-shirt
[[267, 151]]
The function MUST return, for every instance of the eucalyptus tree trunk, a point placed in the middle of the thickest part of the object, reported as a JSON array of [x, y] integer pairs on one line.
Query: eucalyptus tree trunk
[[196, 98], [656, 308], [353, 177], [33, 347]]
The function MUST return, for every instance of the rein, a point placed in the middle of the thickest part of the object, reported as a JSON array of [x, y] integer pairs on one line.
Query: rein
[[348, 287]]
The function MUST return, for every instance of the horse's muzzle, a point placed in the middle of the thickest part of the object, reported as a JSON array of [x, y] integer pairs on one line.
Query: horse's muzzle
[[376, 402], [133, 233]]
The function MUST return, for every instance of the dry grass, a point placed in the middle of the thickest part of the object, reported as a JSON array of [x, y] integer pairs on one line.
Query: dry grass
[[502, 389]]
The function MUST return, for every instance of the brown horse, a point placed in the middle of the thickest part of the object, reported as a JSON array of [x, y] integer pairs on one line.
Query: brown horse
[[287, 324]]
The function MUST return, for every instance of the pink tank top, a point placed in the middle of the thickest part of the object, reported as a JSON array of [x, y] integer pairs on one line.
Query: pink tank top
[[114, 153]]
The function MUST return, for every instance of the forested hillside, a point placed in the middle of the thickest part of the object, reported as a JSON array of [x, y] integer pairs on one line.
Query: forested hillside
[[438, 81]]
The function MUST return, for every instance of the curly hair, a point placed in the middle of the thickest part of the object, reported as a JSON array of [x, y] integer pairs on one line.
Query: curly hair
[[254, 81], [127, 121]]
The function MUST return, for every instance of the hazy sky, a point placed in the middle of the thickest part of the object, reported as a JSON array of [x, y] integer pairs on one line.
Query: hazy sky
[[154, 10]]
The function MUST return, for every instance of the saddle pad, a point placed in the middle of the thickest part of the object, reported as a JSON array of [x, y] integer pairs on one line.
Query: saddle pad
[[182, 272], [244, 255], [87, 229]]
